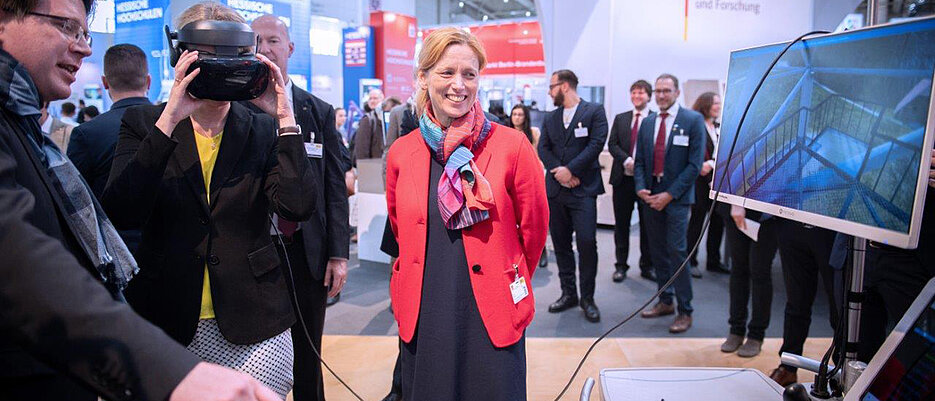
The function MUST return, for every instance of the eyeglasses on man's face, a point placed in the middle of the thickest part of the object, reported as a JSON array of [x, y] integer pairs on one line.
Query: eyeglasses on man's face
[[70, 27], [552, 86]]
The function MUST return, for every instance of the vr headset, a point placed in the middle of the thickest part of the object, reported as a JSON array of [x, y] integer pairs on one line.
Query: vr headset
[[229, 74]]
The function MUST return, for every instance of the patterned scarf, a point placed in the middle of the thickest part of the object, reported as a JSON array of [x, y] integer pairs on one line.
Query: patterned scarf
[[95, 234], [464, 195]]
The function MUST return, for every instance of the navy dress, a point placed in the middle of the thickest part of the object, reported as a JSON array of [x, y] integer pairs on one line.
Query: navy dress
[[450, 356]]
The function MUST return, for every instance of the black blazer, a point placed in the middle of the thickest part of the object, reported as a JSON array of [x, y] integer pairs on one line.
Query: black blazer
[[619, 143], [55, 315], [682, 163], [92, 144], [157, 184], [327, 232], [559, 147]]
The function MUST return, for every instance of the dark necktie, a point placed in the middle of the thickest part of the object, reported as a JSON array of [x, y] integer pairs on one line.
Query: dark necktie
[[659, 150], [633, 133]]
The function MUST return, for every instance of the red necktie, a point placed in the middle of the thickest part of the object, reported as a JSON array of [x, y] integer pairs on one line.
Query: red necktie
[[659, 150], [286, 227], [633, 133]]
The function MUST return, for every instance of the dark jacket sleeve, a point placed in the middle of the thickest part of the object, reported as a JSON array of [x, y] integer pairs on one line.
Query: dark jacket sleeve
[[62, 316], [363, 138], [336, 210], [546, 146], [79, 151], [696, 146], [596, 138], [639, 162], [290, 179], [613, 143], [140, 161]]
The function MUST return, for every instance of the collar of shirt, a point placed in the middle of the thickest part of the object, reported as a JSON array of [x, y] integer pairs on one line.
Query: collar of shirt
[[643, 114], [289, 91], [670, 120], [569, 113]]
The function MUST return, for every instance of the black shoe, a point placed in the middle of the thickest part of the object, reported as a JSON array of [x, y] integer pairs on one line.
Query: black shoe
[[393, 397], [333, 300], [619, 276], [718, 268], [648, 274], [564, 303], [543, 262], [590, 310], [645, 265]]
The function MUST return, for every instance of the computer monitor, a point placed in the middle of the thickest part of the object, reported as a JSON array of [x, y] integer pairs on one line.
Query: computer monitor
[[839, 134], [904, 367]]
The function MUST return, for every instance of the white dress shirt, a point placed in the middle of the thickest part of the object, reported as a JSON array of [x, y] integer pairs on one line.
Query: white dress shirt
[[669, 120], [568, 114]]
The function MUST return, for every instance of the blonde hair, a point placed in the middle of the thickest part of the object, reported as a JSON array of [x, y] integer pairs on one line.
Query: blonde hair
[[434, 46], [207, 11]]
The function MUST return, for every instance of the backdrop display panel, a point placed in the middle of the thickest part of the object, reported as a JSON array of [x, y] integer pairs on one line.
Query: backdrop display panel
[[839, 134]]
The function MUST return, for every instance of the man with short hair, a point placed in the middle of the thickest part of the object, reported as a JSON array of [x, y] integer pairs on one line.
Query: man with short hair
[[571, 141], [622, 146], [92, 144], [670, 150], [63, 336], [318, 248], [69, 114]]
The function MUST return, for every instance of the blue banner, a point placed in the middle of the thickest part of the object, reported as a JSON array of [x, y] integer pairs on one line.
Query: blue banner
[[359, 64], [140, 22]]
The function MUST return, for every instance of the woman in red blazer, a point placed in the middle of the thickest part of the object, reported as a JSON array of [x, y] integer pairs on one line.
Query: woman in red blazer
[[467, 203]]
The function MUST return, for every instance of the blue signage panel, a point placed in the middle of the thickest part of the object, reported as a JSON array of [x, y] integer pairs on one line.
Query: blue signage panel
[[140, 22], [300, 62], [359, 64]]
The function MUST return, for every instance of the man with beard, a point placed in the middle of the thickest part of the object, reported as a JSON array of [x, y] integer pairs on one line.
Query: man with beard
[[571, 141]]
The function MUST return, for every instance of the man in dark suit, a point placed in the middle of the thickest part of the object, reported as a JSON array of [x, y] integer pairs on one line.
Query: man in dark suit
[[92, 145], [572, 138], [62, 334], [622, 145], [668, 159], [318, 247]]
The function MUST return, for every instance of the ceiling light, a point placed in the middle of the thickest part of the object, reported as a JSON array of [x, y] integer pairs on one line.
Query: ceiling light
[[485, 18], [461, 4], [528, 13]]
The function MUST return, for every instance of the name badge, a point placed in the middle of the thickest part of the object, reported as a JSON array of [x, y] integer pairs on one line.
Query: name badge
[[518, 287], [681, 139], [315, 150], [581, 132]]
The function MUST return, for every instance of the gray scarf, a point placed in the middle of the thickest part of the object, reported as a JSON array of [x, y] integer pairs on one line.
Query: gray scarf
[[93, 230]]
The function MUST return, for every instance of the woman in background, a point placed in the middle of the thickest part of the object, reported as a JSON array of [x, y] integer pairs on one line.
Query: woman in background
[[709, 105]]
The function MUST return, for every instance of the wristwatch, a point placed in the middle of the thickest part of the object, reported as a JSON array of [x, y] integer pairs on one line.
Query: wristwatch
[[291, 130]]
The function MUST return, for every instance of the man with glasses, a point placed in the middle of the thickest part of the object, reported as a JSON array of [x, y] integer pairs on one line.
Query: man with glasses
[[668, 159], [571, 141], [63, 334]]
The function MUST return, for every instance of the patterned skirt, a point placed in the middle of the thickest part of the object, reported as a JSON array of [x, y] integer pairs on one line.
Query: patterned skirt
[[269, 361]]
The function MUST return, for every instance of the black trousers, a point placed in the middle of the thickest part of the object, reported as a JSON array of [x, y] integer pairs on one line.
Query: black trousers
[[573, 214], [894, 278], [312, 295], [751, 278], [805, 253], [696, 223], [624, 198]]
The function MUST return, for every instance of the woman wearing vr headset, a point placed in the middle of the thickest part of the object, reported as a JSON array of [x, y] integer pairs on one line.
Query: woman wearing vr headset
[[199, 177], [466, 201]]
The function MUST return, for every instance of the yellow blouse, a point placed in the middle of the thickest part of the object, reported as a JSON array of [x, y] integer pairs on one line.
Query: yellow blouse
[[208, 153]]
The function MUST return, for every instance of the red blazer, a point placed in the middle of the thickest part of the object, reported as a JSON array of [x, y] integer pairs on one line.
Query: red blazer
[[514, 234]]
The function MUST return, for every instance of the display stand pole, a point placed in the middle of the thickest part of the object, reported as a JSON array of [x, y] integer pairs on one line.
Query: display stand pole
[[855, 299]]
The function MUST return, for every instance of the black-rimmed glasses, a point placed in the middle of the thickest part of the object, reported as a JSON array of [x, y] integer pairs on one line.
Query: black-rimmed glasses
[[70, 27]]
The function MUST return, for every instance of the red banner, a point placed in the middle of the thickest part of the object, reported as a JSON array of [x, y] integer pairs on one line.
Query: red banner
[[395, 42], [512, 48]]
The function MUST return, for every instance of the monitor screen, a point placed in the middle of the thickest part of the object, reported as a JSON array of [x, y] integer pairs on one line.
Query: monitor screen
[[909, 373], [838, 134]]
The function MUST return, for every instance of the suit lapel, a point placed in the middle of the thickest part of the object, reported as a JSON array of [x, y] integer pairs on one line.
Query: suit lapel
[[186, 156], [650, 124], [419, 160], [236, 134], [626, 140], [575, 119], [679, 119], [304, 112]]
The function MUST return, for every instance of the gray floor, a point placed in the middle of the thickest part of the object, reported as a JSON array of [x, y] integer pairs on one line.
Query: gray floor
[[363, 309]]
